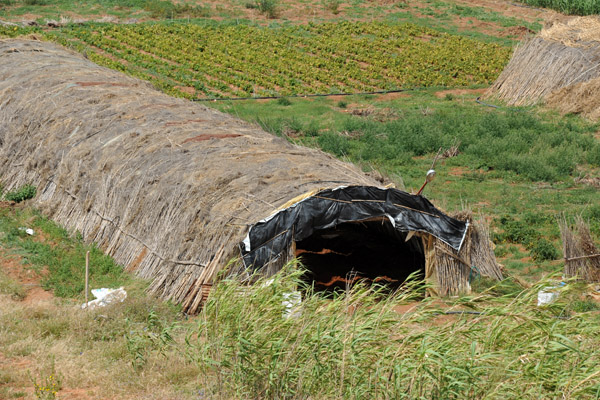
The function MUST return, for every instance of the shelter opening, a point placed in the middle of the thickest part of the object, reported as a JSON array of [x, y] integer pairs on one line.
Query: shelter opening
[[370, 251], [354, 233]]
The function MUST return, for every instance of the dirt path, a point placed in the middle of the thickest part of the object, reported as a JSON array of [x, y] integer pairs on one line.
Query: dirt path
[[317, 10]]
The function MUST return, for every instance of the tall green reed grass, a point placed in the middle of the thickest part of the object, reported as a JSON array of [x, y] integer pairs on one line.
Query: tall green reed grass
[[574, 7], [356, 345]]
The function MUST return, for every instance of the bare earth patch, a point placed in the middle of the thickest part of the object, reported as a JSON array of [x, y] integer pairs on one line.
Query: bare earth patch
[[459, 92], [392, 96]]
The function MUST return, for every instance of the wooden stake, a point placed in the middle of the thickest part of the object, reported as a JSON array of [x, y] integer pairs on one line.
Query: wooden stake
[[87, 274]]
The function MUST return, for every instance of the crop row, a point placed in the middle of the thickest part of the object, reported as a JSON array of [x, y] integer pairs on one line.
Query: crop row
[[244, 60]]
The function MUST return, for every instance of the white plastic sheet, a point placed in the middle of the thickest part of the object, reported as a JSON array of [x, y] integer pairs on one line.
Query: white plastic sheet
[[105, 296], [549, 294]]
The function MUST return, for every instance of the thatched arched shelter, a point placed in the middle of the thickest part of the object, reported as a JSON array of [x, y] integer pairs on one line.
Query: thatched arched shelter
[[170, 188], [559, 67]]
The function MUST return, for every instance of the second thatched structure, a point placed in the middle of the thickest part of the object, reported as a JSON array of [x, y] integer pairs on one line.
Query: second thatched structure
[[559, 67]]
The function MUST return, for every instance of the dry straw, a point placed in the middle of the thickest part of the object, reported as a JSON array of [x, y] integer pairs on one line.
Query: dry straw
[[561, 56], [165, 186], [582, 256], [455, 271]]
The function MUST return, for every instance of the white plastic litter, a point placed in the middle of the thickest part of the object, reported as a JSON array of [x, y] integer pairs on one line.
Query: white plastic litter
[[28, 231], [549, 294], [105, 297], [291, 302]]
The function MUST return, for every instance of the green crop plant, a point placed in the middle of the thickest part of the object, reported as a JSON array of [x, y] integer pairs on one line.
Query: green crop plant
[[223, 60]]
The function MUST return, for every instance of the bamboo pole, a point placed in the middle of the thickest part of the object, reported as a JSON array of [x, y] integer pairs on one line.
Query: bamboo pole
[[87, 274]]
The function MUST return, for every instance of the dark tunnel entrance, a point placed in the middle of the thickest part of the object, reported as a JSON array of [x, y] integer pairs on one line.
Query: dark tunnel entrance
[[371, 251]]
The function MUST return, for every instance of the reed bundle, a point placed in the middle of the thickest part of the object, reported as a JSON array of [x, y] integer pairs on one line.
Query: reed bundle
[[582, 256], [454, 271]]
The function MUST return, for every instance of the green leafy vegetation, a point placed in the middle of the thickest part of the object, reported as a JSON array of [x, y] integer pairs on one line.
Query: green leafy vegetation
[[241, 60], [167, 10], [357, 345], [23, 193], [516, 141], [574, 7]]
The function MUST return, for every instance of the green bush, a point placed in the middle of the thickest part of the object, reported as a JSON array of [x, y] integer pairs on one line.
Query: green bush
[[333, 6], [167, 9], [267, 7], [542, 250], [593, 156], [334, 143], [21, 194], [516, 231]]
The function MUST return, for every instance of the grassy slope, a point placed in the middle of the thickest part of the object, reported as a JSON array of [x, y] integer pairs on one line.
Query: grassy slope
[[361, 345]]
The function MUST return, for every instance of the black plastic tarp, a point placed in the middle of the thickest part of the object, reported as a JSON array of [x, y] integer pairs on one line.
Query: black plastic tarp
[[269, 238]]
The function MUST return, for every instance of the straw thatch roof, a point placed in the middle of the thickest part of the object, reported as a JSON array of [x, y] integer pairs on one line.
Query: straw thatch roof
[[560, 57], [167, 187]]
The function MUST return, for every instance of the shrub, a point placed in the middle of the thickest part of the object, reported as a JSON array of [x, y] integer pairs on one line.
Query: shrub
[[21, 194], [333, 6], [284, 101], [516, 231], [267, 7], [574, 7], [593, 155], [334, 143], [166, 9], [542, 250]]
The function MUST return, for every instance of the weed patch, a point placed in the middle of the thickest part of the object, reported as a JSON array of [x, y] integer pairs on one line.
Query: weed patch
[[23, 193], [62, 254]]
